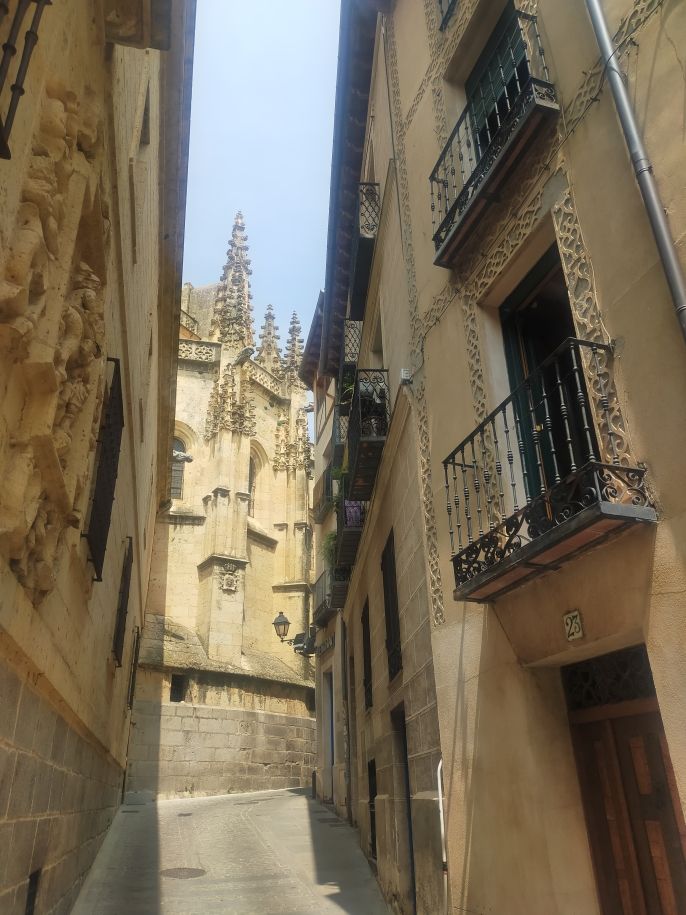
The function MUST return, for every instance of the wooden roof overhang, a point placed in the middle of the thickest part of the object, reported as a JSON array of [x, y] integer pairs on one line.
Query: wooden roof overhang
[[355, 57]]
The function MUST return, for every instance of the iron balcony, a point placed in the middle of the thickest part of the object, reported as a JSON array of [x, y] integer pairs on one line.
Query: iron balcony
[[364, 237], [370, 416], [330, 592], [495, 128], [350, 352], [339, 436], [351, 517], [539, 481], [323, 495]]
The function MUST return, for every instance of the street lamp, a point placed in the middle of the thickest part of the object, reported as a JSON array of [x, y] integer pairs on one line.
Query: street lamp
[[303, 642], [282, 625]]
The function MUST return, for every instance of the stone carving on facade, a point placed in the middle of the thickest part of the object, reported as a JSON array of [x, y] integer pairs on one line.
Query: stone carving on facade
[[293, 354], [232, 321], [269, 352], [68, 334], [81, 339], [228, 409], [198, 352], [228, 574]]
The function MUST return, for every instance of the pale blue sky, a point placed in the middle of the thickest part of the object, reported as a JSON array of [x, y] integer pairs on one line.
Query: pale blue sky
[[261, 131]]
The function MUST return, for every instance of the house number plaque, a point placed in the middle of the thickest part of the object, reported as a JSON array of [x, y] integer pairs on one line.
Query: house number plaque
[[573, 626]]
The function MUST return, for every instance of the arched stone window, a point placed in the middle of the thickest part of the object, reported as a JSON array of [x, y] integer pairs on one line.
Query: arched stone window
[[178, 464], [252, 486]]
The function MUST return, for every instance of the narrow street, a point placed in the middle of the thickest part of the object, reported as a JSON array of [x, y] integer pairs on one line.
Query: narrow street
[[264, 853]]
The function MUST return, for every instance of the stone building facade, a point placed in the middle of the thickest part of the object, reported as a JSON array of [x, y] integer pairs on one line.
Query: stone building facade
[[221, 705], [94, 141], [524, 448]]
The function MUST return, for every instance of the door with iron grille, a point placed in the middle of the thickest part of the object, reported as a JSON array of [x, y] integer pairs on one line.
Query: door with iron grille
[[634, 818]]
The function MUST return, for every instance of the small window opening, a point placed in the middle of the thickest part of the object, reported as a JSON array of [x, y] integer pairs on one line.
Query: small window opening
[[32, 893], [177, 690], [252, 486], [145, 124], [177, 469]]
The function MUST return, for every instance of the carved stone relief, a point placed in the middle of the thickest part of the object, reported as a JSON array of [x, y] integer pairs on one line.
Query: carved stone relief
[[51, 343], [228, 408], [228, 575]]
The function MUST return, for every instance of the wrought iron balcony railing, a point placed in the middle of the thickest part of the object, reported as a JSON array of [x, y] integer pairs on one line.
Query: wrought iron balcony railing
[[350, 352], [323, 494], [535, 482], [508, 103], [351, 517], [10, 47], [339, 435], [447, 8], [367, 224], [330, 592], [370, 416]]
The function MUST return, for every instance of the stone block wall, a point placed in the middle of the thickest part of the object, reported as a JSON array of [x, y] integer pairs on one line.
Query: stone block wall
[[58, 796], [180, 749]]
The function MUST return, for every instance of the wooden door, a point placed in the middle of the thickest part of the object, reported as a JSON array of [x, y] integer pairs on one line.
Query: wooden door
[[635, 822]]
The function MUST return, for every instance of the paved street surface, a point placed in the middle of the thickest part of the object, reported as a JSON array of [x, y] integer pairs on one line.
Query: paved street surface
[[266, 853]]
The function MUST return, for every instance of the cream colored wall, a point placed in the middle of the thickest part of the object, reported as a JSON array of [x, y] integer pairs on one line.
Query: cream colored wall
[[505, 743], [73, 624]]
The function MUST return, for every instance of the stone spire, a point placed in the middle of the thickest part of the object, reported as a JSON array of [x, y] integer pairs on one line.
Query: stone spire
[[232, 318], [294, 347], [269, 353]]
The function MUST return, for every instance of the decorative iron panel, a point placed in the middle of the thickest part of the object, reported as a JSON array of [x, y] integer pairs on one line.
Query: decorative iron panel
[[123, 604], [9, 50], [621, 676], [107, 463], [535, 462], [516, 78], [447, 8], [369, 202]]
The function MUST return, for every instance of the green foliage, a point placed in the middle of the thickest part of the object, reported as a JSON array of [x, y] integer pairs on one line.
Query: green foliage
[[328, 549]]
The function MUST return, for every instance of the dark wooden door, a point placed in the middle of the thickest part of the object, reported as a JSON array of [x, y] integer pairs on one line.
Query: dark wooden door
[[635, 822]]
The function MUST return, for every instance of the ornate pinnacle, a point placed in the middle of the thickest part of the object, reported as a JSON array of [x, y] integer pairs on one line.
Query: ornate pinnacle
[[269, 353], [294, 346], [232, 318]]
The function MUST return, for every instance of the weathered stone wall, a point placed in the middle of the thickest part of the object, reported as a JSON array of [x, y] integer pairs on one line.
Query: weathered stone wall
[[179, 748], [58, 795]]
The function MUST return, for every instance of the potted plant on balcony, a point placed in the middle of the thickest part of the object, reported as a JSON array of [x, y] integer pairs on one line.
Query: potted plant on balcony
[[328, 549]]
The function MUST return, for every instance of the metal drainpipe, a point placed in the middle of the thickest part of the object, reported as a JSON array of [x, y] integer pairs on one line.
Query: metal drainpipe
[[642, 165], [444, 856]]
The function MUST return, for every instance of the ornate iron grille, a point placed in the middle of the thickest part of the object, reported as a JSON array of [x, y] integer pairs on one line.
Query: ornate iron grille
[[535, 462], [339, 435], [134, 665], [617, 677], [9, 49], [322, 594], [447, 8], [370, 417], [323, 493], [123, 604], [352, 340], [369, 206], [351, 513], [109, 446], [515, 77]]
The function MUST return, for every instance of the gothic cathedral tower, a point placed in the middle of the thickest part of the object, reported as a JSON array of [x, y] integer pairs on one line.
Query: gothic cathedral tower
[[232, 550]]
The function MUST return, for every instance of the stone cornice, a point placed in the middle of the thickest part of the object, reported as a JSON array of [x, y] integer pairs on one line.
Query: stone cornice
[[217, 558]]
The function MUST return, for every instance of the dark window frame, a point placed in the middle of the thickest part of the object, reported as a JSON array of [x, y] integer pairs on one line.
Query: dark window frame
[[178, 687], [177, 470], [134, 666], [106, 471], [391, 610], [123, 604], [366, 658]]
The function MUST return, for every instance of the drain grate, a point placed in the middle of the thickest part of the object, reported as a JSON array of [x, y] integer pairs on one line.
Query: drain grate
[[130, 811], [184, 814], [183, 873]]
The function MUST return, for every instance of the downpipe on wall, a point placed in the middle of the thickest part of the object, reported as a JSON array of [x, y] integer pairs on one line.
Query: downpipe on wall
[[641, 163], [444, 856]]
